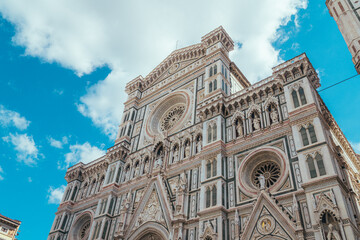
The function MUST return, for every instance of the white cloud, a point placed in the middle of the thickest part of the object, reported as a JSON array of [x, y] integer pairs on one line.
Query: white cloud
[[55, 194], [27, 151], [55, 143], [30, 180], [1, 172], [81, 153], [132, 37], [11, 118]]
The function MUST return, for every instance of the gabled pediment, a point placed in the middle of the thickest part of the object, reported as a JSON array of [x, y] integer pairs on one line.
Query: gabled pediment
[[268, 220], [153, 207], [169, 64]]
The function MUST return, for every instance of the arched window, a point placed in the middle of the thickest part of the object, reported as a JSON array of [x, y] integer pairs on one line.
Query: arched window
[[132, 116], [214, 168], [207, 197], [63, 225], [209, 132], [211, 71], [129, 131], [118, 175], [295, 99], [312, 133], [210, 87], [111, 205], [311, 165], [304, 136], [208, 170], [214, 132], [215, 84], [105, 230], [214, 196], [74, 194], [320, 164], [302, 96], [215, 69]]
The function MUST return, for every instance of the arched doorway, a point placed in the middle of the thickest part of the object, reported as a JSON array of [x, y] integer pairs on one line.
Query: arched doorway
[[151, 236]]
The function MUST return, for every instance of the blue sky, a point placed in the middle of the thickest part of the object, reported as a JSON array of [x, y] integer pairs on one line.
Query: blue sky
[[63, 71]]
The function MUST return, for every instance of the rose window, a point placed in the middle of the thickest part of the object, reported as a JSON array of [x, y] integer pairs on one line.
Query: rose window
[[85, 230], [171, 117], [271, 172]]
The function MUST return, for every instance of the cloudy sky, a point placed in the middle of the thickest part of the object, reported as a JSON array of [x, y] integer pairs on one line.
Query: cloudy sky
[[64, 65]]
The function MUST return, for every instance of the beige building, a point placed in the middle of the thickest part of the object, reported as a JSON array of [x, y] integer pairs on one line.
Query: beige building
[[203, 154], [347, 16], [8, 228]]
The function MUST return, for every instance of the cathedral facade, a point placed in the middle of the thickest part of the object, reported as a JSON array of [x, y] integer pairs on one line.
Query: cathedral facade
[[203, 154]]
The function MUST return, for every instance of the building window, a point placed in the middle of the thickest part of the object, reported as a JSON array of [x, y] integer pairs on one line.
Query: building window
[[63, 225], [4, 229], [317, 167], [210, 87], [353, 48], [222, 85], [295, 99], [213, 196], [334, 9], [74, 194], [304, 136], [111, 205], [129, 131], [312, 133], [215, 84], [98, 231], [295, 96], [302, 96], [207, 196], [214, 132], [210, 196], [215, 69], [211, 168], [209, 132], [105, 230], [211, 71], [307, 134]]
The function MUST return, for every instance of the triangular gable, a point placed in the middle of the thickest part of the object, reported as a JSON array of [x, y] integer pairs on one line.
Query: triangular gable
[[268, 220], [192, 52], [153, 207]]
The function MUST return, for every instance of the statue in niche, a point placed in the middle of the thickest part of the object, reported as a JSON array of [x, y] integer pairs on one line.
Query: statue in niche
[[187, 150], [127, 174], [333, 234], [239, 129], [198, 145], [176, 154], [182, 181], [159, 160], [146, 167], [256, 122], [274, 115], [137, 170]]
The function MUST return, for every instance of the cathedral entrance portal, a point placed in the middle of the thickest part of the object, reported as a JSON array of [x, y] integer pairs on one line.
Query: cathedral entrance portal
[[151, 236]]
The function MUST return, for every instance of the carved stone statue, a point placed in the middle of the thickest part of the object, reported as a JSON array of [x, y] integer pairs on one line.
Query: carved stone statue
[[198, 146], [333, 234], [137, 170], [274, 116], [159, 160], [182, 181], [146, 167], [239, 130], [256, 123], [175, 155], [262, 182], [187, 150]]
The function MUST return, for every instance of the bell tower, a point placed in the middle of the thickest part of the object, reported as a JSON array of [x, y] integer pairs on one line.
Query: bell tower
[[347, 16]]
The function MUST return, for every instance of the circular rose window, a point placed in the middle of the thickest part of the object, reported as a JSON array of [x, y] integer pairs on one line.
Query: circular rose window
[[84, 230], [264, 167], [269, 170], [169, 115]]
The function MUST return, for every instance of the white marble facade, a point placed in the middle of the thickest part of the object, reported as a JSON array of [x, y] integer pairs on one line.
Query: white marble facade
[[195, 159]]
